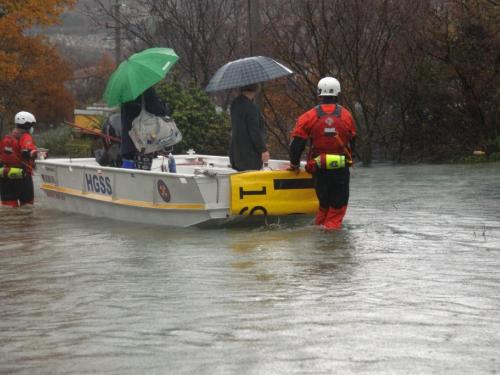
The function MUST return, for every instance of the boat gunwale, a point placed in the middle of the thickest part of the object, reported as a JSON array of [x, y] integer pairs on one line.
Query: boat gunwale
[[69, 162]]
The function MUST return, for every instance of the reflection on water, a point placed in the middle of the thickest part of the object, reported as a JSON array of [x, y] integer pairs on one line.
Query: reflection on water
[[409, 285]]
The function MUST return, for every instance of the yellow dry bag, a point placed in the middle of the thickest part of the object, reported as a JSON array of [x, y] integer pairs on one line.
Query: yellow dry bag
[[327, 161], [12, 173]]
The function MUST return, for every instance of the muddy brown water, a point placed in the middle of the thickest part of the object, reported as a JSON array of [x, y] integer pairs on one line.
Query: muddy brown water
[[410, 285]]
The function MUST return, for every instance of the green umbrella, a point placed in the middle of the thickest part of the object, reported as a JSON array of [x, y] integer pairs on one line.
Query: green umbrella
[[139, 72]]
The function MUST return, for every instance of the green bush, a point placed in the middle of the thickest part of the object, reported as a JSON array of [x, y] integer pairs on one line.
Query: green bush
[[59, 140], [194, 113], [55, 140], [493, 145], [495, 156], [492, 149], [470, 159], [80, 148]]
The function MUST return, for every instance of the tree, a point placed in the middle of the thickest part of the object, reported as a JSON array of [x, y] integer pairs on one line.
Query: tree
[[353, 42], [421, 77], [88, 84], [462, 99], [194, 113], [205, 34], [281, 112], [31, 72]]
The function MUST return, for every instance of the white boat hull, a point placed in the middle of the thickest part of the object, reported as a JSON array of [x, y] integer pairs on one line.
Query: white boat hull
[[199, 194]]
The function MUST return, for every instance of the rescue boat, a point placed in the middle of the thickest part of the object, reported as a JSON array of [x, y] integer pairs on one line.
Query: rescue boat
[[204, 191]]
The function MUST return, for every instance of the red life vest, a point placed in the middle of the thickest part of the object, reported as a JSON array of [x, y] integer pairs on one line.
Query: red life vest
[[11, 144], [324, 130]]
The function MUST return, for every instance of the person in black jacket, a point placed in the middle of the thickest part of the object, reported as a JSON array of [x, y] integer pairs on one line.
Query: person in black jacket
[[248, 150], [129, 111]]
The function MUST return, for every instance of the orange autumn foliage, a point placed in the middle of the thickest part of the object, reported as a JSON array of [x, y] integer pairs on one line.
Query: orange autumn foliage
[[105, 67], [281, 112], [88, 84], [32, 74]]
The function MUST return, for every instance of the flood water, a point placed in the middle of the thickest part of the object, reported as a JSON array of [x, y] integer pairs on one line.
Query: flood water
[[410, 285]]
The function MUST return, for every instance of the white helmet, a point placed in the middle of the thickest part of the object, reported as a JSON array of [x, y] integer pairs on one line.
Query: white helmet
[[25, 118], [328, 86]]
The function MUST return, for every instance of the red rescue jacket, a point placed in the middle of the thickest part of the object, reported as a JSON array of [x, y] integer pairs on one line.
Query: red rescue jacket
[[321, 123], [16, 149], [324, 130]]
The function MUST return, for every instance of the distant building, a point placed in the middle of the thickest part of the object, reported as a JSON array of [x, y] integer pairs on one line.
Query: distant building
[[92, 117]]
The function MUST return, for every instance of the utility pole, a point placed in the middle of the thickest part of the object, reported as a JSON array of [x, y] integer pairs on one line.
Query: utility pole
[[254, 32], [118, 53], [254, 26]]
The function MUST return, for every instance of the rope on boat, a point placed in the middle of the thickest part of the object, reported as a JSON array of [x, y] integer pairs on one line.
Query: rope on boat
[[210, 174]]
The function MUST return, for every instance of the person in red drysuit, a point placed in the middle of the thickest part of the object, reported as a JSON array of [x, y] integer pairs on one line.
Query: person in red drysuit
[[18, 150], [332, 131]]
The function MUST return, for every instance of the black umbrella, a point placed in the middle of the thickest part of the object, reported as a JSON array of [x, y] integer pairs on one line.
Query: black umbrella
[[246, 71]]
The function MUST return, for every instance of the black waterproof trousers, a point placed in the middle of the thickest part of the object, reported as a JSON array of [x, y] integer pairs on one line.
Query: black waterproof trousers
[[332, 187]]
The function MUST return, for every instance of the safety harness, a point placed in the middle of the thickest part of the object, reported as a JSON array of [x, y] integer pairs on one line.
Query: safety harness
[[12, 165], [329, 148]]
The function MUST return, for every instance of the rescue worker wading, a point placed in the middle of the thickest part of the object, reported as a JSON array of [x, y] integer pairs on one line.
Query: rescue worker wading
[[332, 132], [17, 156]]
